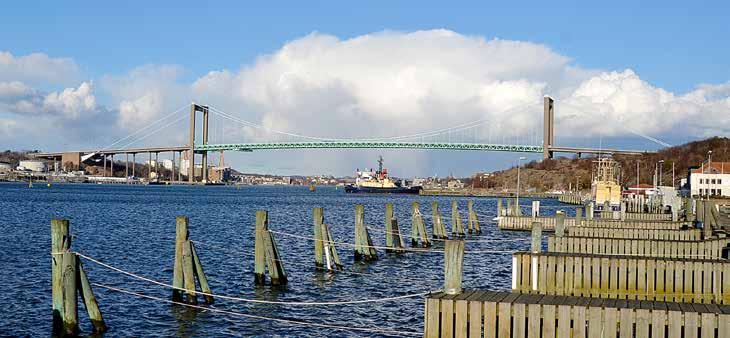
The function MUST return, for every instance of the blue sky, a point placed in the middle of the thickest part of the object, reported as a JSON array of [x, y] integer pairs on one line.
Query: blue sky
[[672, 44], [669, 46]]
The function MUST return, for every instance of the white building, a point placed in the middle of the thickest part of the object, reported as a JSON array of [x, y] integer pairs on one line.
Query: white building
[[168, 164], [33, 165], [710, 180]]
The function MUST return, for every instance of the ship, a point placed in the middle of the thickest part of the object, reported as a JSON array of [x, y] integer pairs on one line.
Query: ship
[[379, 182]]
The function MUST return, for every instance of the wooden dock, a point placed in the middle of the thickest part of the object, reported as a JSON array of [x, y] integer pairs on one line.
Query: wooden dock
[[635, 275], [492, 314], [635, 233], [707, 249], [637, 278]]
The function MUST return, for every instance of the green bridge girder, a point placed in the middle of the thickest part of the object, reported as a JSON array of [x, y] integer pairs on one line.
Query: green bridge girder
[[369, 145]]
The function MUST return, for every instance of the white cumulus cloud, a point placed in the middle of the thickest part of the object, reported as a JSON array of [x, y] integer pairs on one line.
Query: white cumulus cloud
[[37, 68]]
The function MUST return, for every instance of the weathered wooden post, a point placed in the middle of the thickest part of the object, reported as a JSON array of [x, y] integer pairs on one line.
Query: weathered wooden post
[[70, 295], [68, 281], [623, 211], [325, 252], [535, 209], [181, 235], [473, 219], [393, 239], [536, 245], [457, 228], [510, 208], [60, 244], [560, 223], [500, 208], [418, 227], [266, 253], [453, 266], [187, 266], [363, 243], [578, 216], [318, 216], [439, 229], [589, 212], [87, 295]]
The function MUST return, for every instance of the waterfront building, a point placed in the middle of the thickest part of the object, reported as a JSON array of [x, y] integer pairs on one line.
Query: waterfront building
[[711, 179], [32, 165]]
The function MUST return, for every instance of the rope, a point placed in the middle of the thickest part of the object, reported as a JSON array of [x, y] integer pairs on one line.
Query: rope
[[215, 247], [281, 320], [465, 240], [387, 248], [246, 299]]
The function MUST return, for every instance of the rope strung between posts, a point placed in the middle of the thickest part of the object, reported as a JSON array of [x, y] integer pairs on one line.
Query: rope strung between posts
[[215, 247], [281, 320], [465, 240], [384, 247], [362, 301]]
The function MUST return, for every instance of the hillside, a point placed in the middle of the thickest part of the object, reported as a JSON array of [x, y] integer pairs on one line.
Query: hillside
[[561, 173]]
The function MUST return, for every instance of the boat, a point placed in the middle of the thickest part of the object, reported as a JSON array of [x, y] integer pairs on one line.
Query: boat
[[379, 182]]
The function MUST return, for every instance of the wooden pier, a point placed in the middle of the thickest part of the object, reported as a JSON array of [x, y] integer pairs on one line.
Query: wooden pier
[[619, 275], [493, 314]]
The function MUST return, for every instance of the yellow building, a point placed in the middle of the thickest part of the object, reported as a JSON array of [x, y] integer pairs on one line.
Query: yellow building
[[605, 187]]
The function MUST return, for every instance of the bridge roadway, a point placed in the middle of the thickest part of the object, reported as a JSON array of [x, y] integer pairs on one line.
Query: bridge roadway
[[248, 147]]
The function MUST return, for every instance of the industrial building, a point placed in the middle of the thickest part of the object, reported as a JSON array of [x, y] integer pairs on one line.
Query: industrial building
[[32, 165]]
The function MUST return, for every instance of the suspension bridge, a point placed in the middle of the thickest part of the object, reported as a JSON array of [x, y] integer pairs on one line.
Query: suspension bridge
[[186, 154]]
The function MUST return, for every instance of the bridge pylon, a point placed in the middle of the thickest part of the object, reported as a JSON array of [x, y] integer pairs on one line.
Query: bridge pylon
[[194, 109], [548, 133]]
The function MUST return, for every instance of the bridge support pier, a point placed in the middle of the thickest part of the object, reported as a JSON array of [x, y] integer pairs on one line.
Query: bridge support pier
[[103, 173], [548, 133], [134, 164]]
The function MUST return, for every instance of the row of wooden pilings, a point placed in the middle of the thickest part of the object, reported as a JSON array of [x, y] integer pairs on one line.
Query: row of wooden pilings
[[69, 280], [326, 257], [645, 279]]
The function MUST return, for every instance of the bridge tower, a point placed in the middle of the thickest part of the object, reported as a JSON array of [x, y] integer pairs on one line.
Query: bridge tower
[[195, 108], [548, 134]]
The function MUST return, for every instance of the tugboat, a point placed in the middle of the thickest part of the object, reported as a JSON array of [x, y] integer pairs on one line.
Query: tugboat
[[379, 182]]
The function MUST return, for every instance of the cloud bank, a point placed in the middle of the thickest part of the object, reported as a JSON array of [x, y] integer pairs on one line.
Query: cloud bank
[[378, 85]]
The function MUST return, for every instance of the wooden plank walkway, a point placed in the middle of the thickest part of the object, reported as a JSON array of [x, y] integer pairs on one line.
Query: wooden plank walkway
[[639, 278], [493, 314], [524, 223], [705, 249], [636, 216], [660, 234]]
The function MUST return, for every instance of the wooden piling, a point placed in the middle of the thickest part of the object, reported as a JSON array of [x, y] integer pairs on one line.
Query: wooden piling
[[87, 294], [439, 229], [560, 223], [536, 244], [473, 219], [325, 252], [364, 250], [393, 239], [418, 228], [188, 274], [266, 253], [500, 208], [60, 243], [69, 293], [535, 209], [200, 274], [578, 215], [453, 266], [318, 216], [457, 228], [181, 235]]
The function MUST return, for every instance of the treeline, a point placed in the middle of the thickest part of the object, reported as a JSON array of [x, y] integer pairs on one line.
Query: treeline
[[563, 173]]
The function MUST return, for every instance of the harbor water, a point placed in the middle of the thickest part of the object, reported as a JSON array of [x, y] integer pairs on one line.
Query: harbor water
[[133, 228]]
